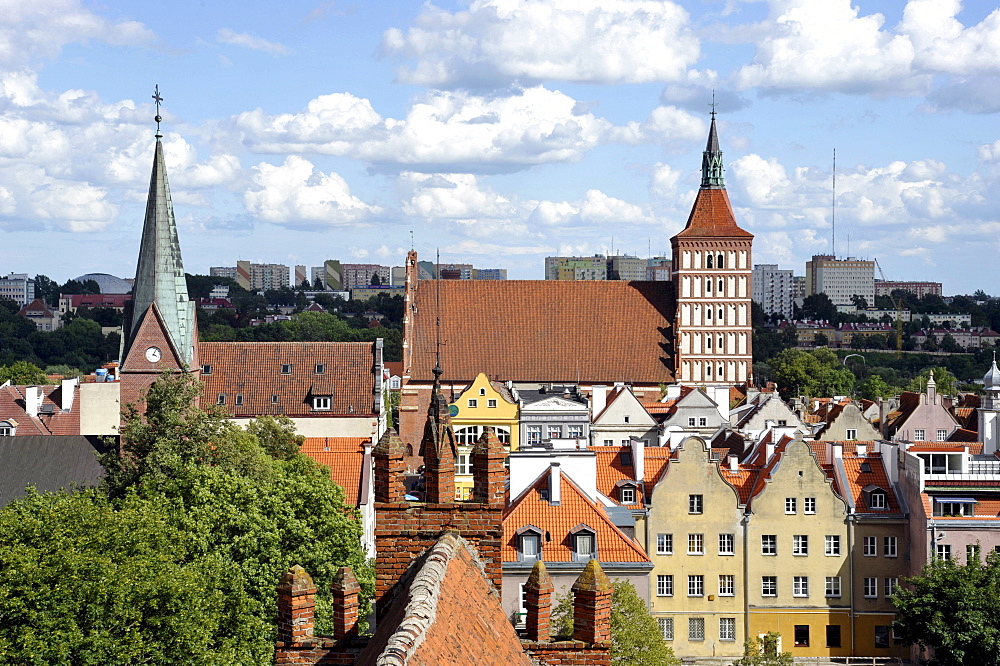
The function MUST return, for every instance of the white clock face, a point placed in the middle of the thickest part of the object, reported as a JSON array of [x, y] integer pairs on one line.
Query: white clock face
[[153, 354]]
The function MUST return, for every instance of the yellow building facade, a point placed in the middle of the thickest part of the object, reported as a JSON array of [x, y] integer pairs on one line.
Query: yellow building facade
[[695, 541], [483, 403], [799, 567]]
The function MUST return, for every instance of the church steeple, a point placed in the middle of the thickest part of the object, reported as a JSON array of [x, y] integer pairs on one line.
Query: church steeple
[[159, 275], [711, 161]]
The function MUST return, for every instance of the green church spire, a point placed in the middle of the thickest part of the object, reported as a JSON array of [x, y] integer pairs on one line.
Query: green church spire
[[711, 161]]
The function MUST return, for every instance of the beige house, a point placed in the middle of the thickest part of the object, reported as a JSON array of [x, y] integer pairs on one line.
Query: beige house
[[845, 423], [695, 538]]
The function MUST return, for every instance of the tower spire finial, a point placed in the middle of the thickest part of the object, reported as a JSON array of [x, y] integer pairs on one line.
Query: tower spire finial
[[713, 104], [157, 117], [711, 161]]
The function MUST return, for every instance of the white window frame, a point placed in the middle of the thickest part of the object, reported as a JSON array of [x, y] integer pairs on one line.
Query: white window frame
[[696, 544], [727, 628], [768, 544], [727, 585], [800, 544], [534, 434], [529, 537], [666, 625], [852, 434], [919, 435], [833, 586], [491, 403], [696, 585], [696, 628], [800, 586], [869, 545], [809, 505], [664, 544], [664, 585], [727, 544], [553, 431], [878, 500], [889, 546], [832, 545], [870, 586], [627, 494], [574, 431], [791, 506], [943, 551], [768, 583], [463, 464], [473, 403], [890, 586], [696, 504], [942, 435], [322, 403]]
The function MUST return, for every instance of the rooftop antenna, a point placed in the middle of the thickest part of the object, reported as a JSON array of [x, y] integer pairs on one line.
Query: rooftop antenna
[[158, 100], [833, 208], [411, 240]]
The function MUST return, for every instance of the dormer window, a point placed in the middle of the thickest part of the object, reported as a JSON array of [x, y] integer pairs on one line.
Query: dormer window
[[954, 506], [239, 399], [221, 399], [274, 399], [320, 368], [626, 458], [584, 543], [876, 498], [626, 493], [8, 428], [529, 544], [321, 403], [286, 368], [206, 369]]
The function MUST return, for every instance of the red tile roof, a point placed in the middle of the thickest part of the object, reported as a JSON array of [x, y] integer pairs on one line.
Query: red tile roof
[[574, 508], [963, 435], [545, 330], [253, 371], [56, 422], [712, 216], [610, 470], [858, 480], [345, 457]]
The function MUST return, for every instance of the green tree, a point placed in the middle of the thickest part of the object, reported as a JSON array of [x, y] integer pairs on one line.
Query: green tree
[[950, 345], [816, 372], [635, 636], [47, 289], [860, 302], [764, 652], [820, 340], [22, 373], [944, 379], [874, 387], [954, 610], [820, 307]]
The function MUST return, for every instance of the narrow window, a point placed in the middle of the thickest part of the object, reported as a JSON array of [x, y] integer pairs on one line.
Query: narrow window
[[239, 399], [871, 588], [222, 399], [696, 586], [809, 505], [695, 503], [320, 368], [286, 369], [800, 586]]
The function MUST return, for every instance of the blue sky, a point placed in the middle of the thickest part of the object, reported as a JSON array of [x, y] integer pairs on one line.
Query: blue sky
[[500, 131]]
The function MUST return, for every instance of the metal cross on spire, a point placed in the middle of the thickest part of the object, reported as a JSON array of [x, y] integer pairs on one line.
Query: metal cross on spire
[[713, 102], [158, 100]]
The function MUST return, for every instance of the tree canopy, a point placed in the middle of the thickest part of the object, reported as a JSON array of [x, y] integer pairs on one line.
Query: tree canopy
[[953, 609], [175, 559], [763, 651], [816, 372]]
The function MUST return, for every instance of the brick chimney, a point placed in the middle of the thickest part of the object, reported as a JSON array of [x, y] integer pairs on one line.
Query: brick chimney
[[488, 473], [296, 606], [438, 449], [345, 590], [538, 602], [592, 605], [389, 468]]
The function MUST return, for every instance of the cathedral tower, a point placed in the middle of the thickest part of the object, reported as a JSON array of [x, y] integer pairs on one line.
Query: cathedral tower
[[162, 332], [711, 275]]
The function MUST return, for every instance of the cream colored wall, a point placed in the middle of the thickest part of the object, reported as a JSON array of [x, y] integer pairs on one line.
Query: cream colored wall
[[798, 475], [100, 408], [333, 427], [693, 473]]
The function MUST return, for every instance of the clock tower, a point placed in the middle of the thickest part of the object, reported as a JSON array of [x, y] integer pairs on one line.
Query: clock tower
[[161, 334]]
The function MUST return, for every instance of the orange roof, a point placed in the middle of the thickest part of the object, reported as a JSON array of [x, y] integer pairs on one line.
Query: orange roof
[[551, 330], [712, 216], [964, 435], [610, 470], [574, 508], [55, 422], [986, 509], [345, 458], [858, 480], [253, 370], [743, 479], [975, 448], [660, 407]]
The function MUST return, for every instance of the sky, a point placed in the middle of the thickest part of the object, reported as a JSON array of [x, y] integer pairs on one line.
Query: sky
[[498, 132]]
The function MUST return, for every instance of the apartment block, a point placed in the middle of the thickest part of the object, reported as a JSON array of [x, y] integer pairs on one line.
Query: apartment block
[[840, 279], [363, 275], [576, 268], [918, 289], [18, 287], [624, 267], [773, 289]]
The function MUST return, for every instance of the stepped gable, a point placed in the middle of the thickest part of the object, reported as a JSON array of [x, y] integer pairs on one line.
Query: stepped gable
[[545, 330], [254, 370]]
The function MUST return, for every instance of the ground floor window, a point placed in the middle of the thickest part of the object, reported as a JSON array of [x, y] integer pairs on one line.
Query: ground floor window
[[882, 636], [696, 628], [802, 635], [727, 628], [666, 627], [833, 635]]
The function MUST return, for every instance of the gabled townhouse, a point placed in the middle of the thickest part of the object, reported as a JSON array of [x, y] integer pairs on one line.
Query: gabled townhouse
[[484, 403], [764, 411], [618, 416], [558, 521], [44, 318], [695, 534], [694, 413], [845, 422], [798, 566], [921, 417]]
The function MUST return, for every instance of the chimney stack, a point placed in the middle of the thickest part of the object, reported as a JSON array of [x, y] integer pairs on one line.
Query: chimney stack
[[32, 400], [734, 463], [555, 479], [592, 605], [296, 606], [598, 400], [538, 603], [345, 590]]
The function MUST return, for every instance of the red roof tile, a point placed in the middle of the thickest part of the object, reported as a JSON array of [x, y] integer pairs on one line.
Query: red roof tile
[[253, 370], [550, 330], [54, 422], [858, 480], [345, 458], [574, 508], [712, 216]]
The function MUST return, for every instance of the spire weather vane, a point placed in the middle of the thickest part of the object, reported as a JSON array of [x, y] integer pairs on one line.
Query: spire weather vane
[[713, 102], [158, 100]]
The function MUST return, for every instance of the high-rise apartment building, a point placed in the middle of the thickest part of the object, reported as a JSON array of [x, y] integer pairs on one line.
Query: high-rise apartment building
[[362, 275], [624, 267], [773, 289], [841, 278], [658, 269], [18, 287], [576, 268], [223, 271], [918, 289]]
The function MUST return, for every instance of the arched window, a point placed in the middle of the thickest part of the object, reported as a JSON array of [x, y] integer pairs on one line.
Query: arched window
[[720, 314], [722, 372], [708, 370], [721, 343], [409, 449], [722, 261], [721, 286], [708, 313], [708, 285], [708, 341], [708, 261]]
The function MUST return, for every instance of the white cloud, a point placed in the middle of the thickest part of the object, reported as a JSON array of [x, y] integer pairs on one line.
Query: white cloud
[[944, 45], [453, 196], [595, 41], [228, 36], [298, 195], [663, 183], [463, 131], [31, 30], [828, 45]]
